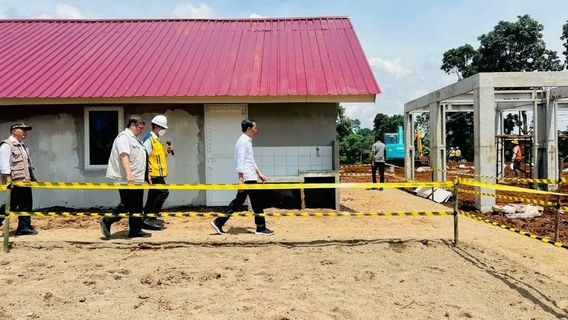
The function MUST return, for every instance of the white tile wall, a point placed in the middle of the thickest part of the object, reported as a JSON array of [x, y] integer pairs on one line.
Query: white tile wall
[[290, 161]]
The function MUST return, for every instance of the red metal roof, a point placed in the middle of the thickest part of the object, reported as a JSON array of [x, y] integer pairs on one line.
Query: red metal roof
[[182, 58]]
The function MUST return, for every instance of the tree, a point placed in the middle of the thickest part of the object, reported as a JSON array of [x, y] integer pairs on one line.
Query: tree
[[564, 37], [354, 142], [510, 46], [459, 128], [459, 61], [343, 124], [386, 124]]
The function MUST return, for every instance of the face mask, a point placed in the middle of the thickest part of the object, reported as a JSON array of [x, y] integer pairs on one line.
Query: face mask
[[161, 132]]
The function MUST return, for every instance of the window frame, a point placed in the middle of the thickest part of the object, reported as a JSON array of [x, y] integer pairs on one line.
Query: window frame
[[86, 117]]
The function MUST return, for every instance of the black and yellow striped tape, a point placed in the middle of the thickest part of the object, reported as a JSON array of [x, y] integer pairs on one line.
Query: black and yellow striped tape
[[355, 165], [499, 196], [202, 186], [527, 180], [475, 183], [334, 214], [515, 230]]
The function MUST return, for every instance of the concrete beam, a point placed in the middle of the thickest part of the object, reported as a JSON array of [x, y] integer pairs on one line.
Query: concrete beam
[[530, 79], [459, 108], [461, 87], [559, 93]]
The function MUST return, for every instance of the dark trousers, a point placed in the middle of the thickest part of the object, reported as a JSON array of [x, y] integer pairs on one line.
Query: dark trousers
[[131, 201], [156, 197], [381, 167], [21, 200], [256, 202]]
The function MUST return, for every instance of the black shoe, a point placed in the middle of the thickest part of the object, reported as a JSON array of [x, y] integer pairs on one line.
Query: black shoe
[[105, 228], [264, 232], [218, 228], [26, 232], [139, 234], [149, 224]]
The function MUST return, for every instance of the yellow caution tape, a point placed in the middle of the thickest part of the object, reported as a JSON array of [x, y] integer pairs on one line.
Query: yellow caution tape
[[3, 187], [499, 196], [469, 182], [368, 174], [355, 165], [262, 186], [237, 214], [527, 180], [515, 230]]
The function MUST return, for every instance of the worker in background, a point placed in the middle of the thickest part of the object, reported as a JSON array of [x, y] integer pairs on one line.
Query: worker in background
[[458, 154], [517, 158], [378, 158], [158, 170], [452, 155]]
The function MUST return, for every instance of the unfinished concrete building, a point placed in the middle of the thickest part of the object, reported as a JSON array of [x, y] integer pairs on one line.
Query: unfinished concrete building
[[489, 96]]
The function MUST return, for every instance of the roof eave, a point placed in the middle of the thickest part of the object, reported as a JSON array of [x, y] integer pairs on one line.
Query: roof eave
[[192, 100]]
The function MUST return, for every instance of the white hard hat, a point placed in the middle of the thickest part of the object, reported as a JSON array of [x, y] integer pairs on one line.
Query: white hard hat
[[161, 121]]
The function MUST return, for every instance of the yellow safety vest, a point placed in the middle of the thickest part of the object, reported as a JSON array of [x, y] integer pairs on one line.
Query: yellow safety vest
[[158, 163]]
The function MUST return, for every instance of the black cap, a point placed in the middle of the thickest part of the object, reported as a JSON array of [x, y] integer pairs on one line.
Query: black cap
[[20, 125]]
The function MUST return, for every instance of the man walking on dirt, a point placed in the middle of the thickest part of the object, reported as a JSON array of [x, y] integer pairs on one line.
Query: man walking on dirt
[[379, 155], [16, 165], [128, 164], [158, 170], [248, 173]]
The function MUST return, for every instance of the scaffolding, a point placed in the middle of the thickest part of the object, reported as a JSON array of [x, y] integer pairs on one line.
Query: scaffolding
[[504, 148], [489, 96]]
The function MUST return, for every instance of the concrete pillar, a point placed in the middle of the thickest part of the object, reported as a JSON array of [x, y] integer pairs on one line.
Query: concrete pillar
[[499, 130], [484, 137], [409, 146], [438, 139], [546, 139]]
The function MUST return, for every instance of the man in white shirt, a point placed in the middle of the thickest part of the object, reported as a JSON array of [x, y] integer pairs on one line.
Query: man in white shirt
[[16, 165], [248, 173]]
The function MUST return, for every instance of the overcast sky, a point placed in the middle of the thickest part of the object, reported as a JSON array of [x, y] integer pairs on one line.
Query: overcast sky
[[403, 39]]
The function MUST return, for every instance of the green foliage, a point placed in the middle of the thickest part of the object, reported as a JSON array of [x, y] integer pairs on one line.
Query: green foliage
[[343, 124], [459, 61], [422, 122], [459, 133], [564, 38], [511, 46], [355, 148], [386, 124], [354, 142]]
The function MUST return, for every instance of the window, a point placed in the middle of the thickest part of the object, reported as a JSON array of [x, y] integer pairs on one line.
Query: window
[[101, 127], [391, 138]]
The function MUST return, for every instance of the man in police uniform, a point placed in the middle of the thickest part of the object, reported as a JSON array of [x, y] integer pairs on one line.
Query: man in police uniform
[[158, 170], [16, 165]]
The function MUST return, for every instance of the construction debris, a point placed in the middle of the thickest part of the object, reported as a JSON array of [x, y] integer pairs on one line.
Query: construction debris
[[518, 210]]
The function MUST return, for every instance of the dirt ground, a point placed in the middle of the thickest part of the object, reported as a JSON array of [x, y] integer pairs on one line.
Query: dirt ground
[[542, 226], [313, 268]]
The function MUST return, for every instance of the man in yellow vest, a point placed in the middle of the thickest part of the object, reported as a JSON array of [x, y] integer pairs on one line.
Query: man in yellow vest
[[157, 169]]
